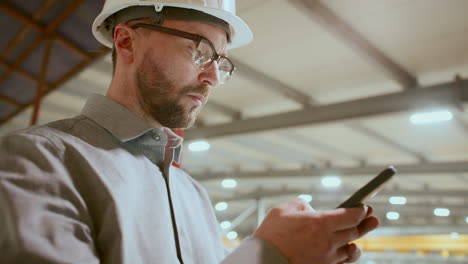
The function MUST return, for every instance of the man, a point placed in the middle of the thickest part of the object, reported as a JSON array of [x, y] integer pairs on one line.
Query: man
[[100, 188]]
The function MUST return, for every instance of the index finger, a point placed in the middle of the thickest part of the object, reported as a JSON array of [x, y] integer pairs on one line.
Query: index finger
[[345, 218], [294, 206]]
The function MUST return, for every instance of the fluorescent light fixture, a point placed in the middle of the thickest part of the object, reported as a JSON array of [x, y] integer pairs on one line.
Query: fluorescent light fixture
[[392, 215], [198, 146], [397, 200], [431, 117], [231, 235], [466, 219], [454, 235], [331, 181], [225, 224], [441, 212], [221, 206], [229, 183], [306, 197]]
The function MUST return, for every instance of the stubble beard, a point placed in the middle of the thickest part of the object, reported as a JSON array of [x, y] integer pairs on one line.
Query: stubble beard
[[160, 100]]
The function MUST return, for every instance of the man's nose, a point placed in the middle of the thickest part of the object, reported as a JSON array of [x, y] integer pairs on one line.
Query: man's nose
[[210, 76]]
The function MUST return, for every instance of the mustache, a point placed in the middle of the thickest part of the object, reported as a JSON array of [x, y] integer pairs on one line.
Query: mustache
[[201, 89]]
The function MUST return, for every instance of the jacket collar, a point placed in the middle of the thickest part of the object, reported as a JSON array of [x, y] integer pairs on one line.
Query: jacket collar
[[125, 125]]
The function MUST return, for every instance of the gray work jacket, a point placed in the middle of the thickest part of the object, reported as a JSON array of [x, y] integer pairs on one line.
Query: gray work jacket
[[100, 188]]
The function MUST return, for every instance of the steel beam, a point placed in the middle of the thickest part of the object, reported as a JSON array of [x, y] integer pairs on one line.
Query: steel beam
[[451, 93], [422, 168], [238, 220], [43, 79], [325, 195], [24, 73], [306, 141], [342, 30], [261, 211], [49, 30], [39, 13], [392, 230], [287, 91], [460, 121], [427, 229], [9, 100], [58, 83], [409, 213], [392, 257], [284, 153], [233, 113], [373, 134], [46, 32]]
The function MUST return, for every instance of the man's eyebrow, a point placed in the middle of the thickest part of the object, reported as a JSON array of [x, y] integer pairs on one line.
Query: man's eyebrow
[[223, 52]]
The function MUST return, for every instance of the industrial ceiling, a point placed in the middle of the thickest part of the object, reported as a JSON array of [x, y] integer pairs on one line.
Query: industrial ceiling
[[327, 88]]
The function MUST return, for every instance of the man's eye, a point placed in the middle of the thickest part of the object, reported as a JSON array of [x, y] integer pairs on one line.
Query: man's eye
[[225, 68], [199, 57], [195, 55], [191, 49]]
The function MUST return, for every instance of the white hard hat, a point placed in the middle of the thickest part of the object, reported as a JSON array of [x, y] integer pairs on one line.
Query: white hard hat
[[222, 9]]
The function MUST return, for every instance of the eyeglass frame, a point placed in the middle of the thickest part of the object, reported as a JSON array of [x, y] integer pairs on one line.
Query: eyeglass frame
[[195, 37]]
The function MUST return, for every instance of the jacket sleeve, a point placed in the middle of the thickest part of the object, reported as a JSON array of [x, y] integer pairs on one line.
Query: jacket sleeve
[[254, 250], [43, 219]]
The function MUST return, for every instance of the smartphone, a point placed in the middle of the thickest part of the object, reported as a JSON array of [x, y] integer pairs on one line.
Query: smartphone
[[370, 189]]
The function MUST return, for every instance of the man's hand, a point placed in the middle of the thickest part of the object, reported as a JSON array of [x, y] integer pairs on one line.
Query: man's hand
[[307, 236]]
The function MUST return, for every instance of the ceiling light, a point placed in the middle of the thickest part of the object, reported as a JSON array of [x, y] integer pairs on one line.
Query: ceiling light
[[431, 117], [229, 183], [221, 206], [331, 181], [397, 200], [441, 212], [225, 224], [198, 146], [454, 235], [231, 235], [393, 215], [466, 219], [306, 197]]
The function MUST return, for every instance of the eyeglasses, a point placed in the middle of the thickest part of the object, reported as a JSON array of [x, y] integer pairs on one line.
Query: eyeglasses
[[205, 53]]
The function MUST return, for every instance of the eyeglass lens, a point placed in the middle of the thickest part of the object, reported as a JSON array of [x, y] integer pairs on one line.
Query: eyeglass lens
[[204, 56]]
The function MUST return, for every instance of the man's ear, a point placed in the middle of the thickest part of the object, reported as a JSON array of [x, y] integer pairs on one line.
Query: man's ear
[[124, 43]]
